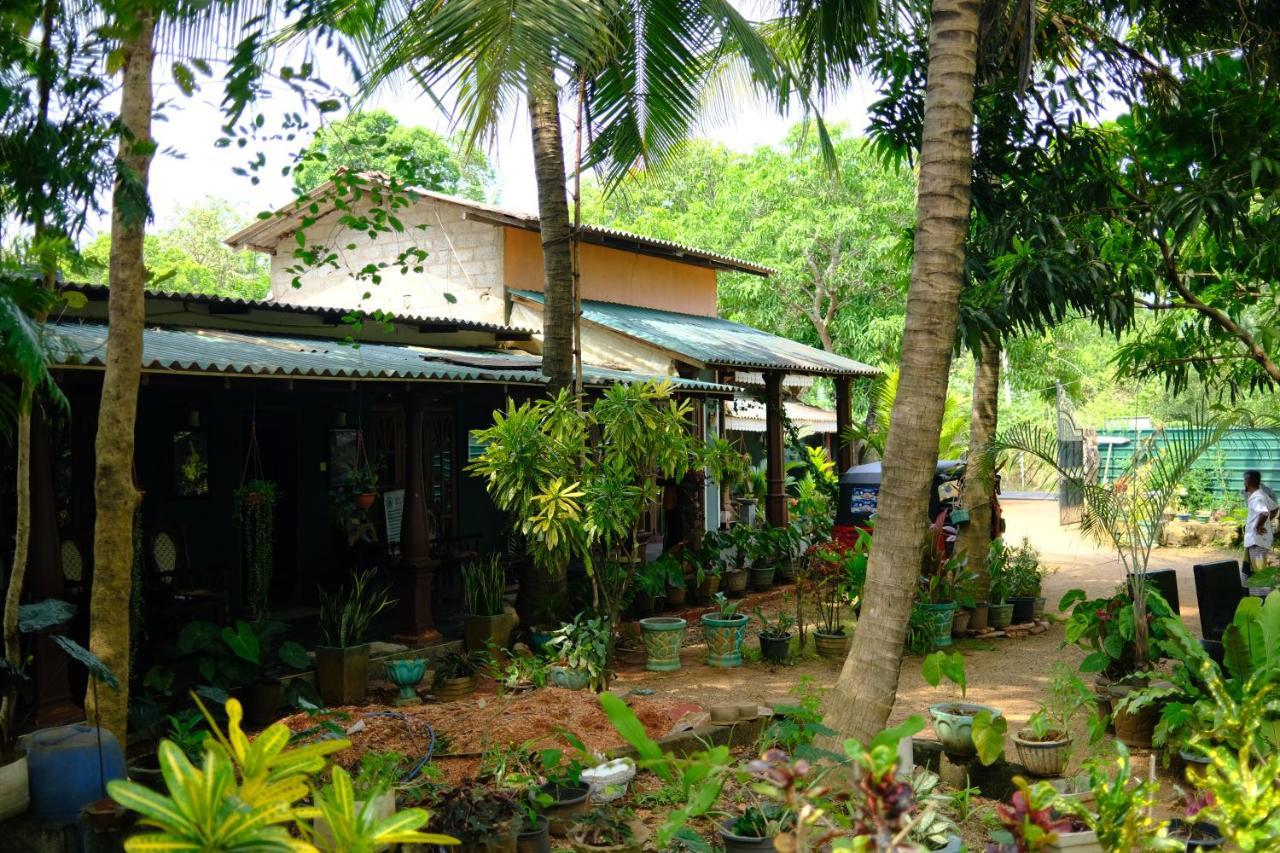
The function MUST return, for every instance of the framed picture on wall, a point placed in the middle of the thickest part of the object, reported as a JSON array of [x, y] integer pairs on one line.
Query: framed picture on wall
[[343, 448], [190, 463]]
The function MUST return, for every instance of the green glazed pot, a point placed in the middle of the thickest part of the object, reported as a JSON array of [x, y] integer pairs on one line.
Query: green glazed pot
[[953, 723], [405, 673], [942, 616], [569, 679], [662, 638], [724, 639]]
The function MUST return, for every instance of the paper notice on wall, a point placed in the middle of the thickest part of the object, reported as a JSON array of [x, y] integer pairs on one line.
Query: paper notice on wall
[[393, 510]]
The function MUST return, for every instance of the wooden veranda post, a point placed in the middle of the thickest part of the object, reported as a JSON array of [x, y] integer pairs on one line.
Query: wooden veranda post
[[417, 568], [45, 580], [775, 464], [844, 451]]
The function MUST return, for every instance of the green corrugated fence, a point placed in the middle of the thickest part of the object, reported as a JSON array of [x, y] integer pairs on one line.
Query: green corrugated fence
[[1225, 463]]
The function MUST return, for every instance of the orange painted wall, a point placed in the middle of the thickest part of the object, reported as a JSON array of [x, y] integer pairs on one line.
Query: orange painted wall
[[614, 275]]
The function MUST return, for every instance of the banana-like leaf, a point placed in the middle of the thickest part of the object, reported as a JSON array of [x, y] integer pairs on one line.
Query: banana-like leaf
[[44, 614], [92, 662], [988, 736]]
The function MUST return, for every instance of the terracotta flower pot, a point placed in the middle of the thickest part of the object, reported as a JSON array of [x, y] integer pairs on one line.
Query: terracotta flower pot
[[710, 586], [453, 689], [482, 631], [734, 583], [960, 622], [365, 500], [978, 617], [676, 595]]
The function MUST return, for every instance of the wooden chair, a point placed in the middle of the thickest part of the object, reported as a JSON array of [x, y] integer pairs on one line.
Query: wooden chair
[[169, 582]]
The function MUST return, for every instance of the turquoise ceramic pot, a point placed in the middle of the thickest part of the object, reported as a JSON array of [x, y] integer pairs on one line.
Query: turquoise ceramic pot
[[953, 723], [942, 614]]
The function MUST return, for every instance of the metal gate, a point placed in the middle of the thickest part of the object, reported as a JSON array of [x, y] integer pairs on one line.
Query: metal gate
[[1070, 458]]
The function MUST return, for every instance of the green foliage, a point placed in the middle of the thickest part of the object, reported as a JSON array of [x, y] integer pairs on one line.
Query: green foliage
[[189, 256], [484, 581], [1124, 806], [836, 243], [725, 609], [254, 517], [776, 628], [577, 482], [953, 439], [1107, 628], [921, 630], [356, 828], [1029, 823], [1068, 696], [795, 726], [375, 141], [583, 644], [1023, 569], [246, 795], [943, 665], [699, 777], [345, 613]]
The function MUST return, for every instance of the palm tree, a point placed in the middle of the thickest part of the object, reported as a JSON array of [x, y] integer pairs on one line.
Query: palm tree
[[979, 482], [863, 698], [1125, 513], [637, 69]]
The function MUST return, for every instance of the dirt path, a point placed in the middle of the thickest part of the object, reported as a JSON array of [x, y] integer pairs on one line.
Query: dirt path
[[1010, 674]]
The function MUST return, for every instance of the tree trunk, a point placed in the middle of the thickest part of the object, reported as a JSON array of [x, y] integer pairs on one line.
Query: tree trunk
[[553, 213], [114, 492], [863, 697], [975, 537]]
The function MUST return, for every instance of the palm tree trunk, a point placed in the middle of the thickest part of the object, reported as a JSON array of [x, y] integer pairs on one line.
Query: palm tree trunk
[[553, 213], [114, 492], [863, 697], [975, 537]]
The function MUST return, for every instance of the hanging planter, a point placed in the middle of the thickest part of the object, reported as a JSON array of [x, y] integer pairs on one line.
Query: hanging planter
[[255, 509]]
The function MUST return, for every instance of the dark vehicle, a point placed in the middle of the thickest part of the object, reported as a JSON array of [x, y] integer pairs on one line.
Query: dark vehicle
[[860, 493]]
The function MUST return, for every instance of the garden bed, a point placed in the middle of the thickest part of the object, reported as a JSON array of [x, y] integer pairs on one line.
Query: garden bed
[[465, 728]]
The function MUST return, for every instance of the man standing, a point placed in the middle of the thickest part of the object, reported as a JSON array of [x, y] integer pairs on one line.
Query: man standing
[[1257, 530]]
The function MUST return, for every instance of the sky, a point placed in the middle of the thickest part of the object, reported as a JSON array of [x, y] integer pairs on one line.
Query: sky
[[190, 167]]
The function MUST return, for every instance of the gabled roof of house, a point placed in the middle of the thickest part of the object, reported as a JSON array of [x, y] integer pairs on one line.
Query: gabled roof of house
[[712, 341], [231, 304], [745, 415], [222, 352], [264, 234]]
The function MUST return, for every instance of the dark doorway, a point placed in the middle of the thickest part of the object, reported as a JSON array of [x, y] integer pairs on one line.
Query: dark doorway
[[277, 458]]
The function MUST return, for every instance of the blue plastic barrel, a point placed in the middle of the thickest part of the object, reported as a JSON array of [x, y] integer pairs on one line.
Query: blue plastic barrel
[[64, 769]]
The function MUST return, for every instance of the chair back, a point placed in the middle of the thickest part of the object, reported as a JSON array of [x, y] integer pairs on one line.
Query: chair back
[[1218, 592]]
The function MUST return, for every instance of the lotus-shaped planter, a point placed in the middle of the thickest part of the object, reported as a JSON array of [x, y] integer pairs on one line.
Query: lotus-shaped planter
[[405, 674]]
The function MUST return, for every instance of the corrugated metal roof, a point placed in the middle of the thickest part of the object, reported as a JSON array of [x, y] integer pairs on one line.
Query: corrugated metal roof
[[218, 351], [714, 341], [272, 228], [749, 416], [100, 291]]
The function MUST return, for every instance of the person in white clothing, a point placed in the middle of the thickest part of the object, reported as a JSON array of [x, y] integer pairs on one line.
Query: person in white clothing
[[1258, 534]]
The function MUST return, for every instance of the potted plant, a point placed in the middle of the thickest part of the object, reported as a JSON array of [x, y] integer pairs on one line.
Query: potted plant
[[1025, 578], [455, 675], [753, 831], [733, 579], [1188, 827], [374, 783], [1029, 823], [943, 590], [706, 564], [361, 483], [581, 650], [668, 567], [663, 636], [830, 575], [489, 621], [999, 610], [254, 517], [483, 820], [762, 548], [791, 539], [609, 829], [965, 728], [650, 585], [1044, 744], [1102, 627], [724, 630], [775, 635], [255, 662], [342, 660]]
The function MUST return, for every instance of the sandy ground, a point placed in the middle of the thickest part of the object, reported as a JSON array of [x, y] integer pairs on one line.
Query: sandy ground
[[1010, 674]]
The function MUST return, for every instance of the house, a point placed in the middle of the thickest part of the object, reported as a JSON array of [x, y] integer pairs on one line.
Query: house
[[291, 390], [647, 306]]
